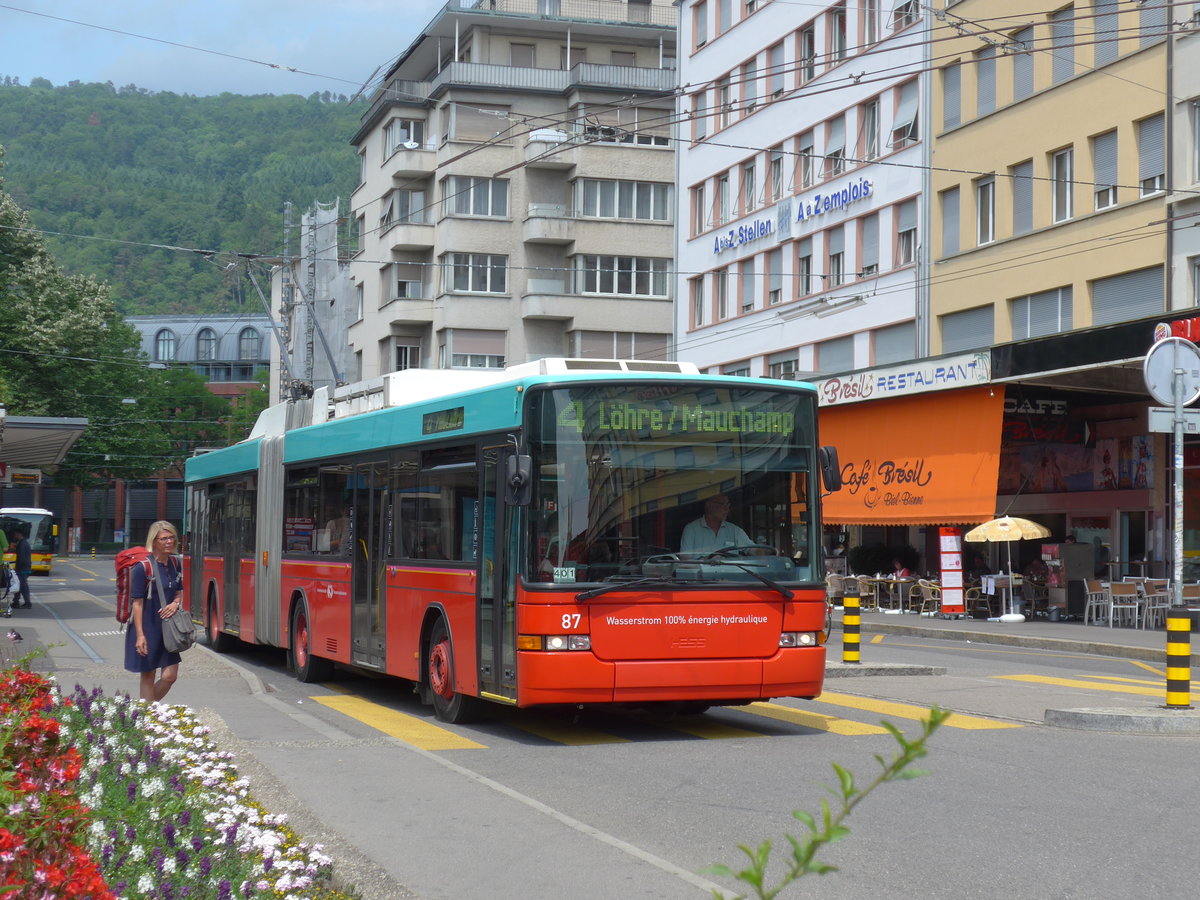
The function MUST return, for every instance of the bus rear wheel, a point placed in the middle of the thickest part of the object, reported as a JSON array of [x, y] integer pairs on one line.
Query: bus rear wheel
[[219, 641], [308, 668], [448, 705]]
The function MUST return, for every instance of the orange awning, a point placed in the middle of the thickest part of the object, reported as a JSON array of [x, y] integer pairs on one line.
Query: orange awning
[[931, 459]]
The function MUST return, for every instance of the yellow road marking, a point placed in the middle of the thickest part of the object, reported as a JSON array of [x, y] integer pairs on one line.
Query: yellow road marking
[[1086, 685], [1149, 668], [878, 639], [907, 711], [711, 730], [569, 735], [816, 720], [403, 727]]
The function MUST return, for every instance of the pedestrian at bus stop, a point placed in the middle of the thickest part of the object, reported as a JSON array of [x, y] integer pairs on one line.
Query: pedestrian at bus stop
[[154, 599], [22, 567]]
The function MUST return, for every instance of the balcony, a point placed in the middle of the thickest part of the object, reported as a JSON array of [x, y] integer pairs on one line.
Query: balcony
[[549, 223], [411, 160], [582, 10], [546, 298], [407, 236], [636, 79]]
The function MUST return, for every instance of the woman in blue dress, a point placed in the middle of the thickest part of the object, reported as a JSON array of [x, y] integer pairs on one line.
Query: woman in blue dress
[[144, 650]]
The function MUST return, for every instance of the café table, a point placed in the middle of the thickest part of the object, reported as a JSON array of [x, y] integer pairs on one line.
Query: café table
[[897, 589]]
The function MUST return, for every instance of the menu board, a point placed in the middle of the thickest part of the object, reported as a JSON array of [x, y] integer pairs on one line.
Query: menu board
[[950, 545]]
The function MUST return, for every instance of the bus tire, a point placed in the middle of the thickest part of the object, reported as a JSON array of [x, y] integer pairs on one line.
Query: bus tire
[[447, 705], [218, 641], [308, 668]]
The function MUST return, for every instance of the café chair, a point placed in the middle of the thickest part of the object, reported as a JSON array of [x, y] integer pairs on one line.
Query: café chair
[[1157, 601], [833, 589], [1124, 598], [1191, 593], [1095, 605], [977, 601], [1037, 596], [930, 594], [868, 593]]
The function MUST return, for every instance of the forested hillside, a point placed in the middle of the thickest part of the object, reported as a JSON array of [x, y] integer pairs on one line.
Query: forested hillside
[[108, 171]]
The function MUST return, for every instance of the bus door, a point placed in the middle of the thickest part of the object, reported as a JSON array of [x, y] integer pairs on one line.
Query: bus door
[[370, 529], [497, 567]]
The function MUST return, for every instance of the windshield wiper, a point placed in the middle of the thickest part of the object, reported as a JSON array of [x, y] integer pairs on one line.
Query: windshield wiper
[[622, 585], [724, 560]]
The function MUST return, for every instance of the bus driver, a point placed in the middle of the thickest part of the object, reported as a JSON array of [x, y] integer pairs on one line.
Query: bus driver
[[711, 531]]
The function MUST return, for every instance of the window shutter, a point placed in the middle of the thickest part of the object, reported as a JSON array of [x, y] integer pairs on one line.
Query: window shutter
[[870, 242], [985, 75], [1130, 295], [1105, 162], [1106, 31], [837, 135], [969, 329], [951, 227], [1151, 142], [951, 95], [1023, 65], [1022, 188], [836, 238], [1062, 39], [896, 343]]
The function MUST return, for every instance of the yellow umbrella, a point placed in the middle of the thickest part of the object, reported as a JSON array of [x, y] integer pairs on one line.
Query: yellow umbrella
[[1008, 529]]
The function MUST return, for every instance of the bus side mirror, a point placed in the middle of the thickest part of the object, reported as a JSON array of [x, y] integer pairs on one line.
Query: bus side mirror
[[518, 480], [831, 472]]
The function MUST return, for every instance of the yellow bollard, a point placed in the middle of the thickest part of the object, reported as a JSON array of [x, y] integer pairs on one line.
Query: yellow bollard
[[851, 626], [1179, 659], [93, 553]]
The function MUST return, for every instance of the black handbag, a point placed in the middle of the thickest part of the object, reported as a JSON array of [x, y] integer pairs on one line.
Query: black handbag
[[179, 631]]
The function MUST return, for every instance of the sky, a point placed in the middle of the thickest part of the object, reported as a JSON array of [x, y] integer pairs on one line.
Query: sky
[[340, 43]]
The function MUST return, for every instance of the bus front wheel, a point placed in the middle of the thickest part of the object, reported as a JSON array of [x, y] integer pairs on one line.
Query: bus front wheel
[[308, 668], [448, 705]]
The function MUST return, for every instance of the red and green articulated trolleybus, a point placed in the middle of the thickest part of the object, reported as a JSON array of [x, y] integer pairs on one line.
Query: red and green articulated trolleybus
[[515, 536]]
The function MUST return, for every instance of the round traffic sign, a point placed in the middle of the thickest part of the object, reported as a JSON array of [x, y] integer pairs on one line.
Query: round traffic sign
[[1163, 361]]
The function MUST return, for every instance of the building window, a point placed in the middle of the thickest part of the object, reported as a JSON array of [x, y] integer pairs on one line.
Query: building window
[[721, 290], [468, 348], [951, 226], [466, 195], [1195, 105], [1022, 64], [570, 57], [868, 264], [775, 173], [700, 116], [837, 33], [697, 287], [985, 211], [749, 77], [835, 269], [604, 199], [906, 233], [1062, 177], [403, 207], [406, 282], [479, 122], [1038, 315], [359, 301], [404, 134], [778, 71], [895, 343], [1106, 20], [969, 329], [985, 81], [951, 95], [1022, 194], [749, 188], [407, 355], [206, 345], [724, 15], [904, 14], [627, 276], [805, 284], [1151, 155], [724, 211], [477, 273], [165, 343], [1104, 165], [869, 128], [520, 55], [724, 103], [700, 210], [807, 51], [775, 277], [700, 23], [1130, 295], [835, 147], [1062, 45], [749, 285], [783, 366], [904, 127], [618, 345], [738, 369], [1152, 21], [624, 58], [869, 13], [836, 355], [249, 344], [804, 160]]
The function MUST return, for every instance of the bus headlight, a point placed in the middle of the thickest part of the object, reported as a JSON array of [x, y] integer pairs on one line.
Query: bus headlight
[[554, 642], [798, 639]]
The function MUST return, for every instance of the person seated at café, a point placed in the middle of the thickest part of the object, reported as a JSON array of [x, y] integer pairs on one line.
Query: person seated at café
[[900, 570]]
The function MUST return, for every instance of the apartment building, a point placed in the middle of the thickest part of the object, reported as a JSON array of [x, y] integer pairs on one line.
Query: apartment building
[[800, 176], [517, 196]]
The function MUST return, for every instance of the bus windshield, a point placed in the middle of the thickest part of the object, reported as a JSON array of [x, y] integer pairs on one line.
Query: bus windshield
[[685, 483]]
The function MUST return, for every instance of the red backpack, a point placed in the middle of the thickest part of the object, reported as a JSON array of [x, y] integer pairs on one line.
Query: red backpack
[[125, 562]]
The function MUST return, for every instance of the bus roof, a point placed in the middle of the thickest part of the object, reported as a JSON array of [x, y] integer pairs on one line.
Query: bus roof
[[24, 511], [438, 402]]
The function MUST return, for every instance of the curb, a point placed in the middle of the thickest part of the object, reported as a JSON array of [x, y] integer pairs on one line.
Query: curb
[[1158, 720], [857, 670]]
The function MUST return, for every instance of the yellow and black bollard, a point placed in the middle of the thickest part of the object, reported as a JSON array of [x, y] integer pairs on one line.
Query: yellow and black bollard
[[93, 553], [851, 628], [1179, 658]]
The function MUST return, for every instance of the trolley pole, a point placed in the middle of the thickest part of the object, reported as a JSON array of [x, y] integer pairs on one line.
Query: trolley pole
[[851, 627], [1179, 658]]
